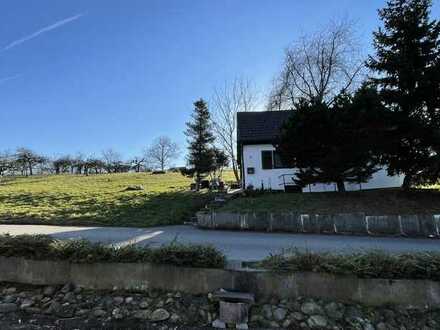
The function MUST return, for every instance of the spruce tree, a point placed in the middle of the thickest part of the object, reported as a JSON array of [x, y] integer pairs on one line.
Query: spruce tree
[[201, 155], [408, 77]]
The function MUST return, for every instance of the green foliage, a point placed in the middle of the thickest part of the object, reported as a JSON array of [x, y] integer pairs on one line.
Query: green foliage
[[100, 199], [43, 247], [33, 247], [188, 256], [407, 63], [335, 143], [201, 155], [375, 264]]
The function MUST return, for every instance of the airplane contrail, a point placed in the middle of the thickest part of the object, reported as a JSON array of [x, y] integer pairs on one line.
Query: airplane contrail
[[5, 79], [41, 31]]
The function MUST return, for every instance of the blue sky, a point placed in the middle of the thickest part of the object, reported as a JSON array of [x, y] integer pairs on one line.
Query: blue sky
[[90, 75]]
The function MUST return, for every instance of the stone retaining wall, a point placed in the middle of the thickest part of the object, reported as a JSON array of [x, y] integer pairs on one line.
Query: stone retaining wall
[[421, 225], [143, 277]]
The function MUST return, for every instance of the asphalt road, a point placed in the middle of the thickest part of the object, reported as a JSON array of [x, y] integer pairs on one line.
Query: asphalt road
[[245, 246]]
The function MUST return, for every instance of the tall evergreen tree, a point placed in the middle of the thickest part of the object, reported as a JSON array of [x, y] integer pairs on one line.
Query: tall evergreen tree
[[201, 155], [407, 66], [335, 144]]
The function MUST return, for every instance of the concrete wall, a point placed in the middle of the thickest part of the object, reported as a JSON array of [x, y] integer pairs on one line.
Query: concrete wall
[[374, 292], [422, 225], [270, 179]]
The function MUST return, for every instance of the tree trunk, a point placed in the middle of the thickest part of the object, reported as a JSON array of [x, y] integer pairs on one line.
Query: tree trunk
[[341, 186], [198, 179], [235, 170], [407, 182], [30, 169]]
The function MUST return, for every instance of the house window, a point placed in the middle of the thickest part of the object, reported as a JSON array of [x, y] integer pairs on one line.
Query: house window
[[271, 159], [278, 161], [266, 160]]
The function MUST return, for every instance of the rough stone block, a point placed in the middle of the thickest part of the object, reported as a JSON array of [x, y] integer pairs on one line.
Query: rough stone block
[[383, 224], [244, 223], [233, 312], [311, 223], [437, 223], [352, 223], [217, 324], [259, 221], [227, 220], [410, 225], [285, 222], [204, 219], [326, 223], [427, 225]]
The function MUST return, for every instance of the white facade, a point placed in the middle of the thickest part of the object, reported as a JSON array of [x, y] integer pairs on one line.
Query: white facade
[[272, 179]]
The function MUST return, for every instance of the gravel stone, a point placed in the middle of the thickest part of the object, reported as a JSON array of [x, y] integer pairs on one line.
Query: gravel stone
[[8, 307], [312, 308], [317, 321], [160, 315]]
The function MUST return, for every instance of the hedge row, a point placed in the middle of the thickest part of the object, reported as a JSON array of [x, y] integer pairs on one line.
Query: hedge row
[[43, 247], [375, 264]]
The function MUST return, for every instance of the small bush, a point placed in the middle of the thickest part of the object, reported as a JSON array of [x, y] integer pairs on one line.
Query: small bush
[[188, 256], [43, 247], [375, 264], [34, 247]]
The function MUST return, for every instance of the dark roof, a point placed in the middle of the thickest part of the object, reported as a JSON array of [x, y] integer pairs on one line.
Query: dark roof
[[259, 127]]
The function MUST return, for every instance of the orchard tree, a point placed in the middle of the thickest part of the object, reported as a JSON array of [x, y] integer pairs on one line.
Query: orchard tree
[[162, 152], [200, 139], [62, 164], [28, 159], [6, 162], [112, 160], [137, 163], [407, 64]]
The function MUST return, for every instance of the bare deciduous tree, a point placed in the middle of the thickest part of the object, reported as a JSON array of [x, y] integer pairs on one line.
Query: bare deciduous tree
[[62, 164], [238, 96], [137, 163], [318, 67], [6, 162], [162, 152], [28, 159], [111, 159]]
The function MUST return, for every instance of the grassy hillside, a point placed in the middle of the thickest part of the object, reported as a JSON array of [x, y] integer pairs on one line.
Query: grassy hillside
[[99, 199]]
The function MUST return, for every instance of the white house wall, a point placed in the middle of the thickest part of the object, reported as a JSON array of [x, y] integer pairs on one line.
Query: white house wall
[[271, 179], [267, 179]]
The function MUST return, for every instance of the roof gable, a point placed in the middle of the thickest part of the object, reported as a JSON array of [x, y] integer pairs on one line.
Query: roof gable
[[256, 127]]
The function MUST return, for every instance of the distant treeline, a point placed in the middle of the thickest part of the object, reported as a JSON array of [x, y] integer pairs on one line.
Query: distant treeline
[[25, 161]]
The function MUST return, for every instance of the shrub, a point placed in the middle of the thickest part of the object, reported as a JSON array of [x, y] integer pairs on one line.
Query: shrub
[[188, 256], [375, 264], [43, 247], [28, 246]]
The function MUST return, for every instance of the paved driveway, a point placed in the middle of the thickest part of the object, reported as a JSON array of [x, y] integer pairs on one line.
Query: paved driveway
[[236, 245]]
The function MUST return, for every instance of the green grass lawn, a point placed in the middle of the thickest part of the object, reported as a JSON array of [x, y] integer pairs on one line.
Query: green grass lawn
[[99, 199], [370, 202]]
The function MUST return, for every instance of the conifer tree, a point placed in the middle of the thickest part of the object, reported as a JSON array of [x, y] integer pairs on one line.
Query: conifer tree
[[407, 64], [201, 155]]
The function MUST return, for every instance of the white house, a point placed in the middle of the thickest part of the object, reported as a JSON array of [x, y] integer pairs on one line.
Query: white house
[[262, 167]]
